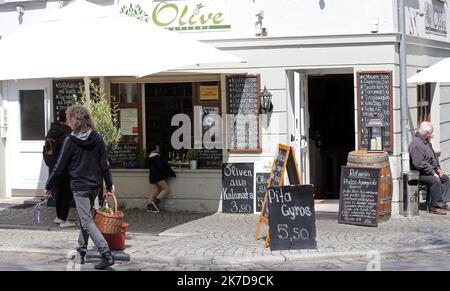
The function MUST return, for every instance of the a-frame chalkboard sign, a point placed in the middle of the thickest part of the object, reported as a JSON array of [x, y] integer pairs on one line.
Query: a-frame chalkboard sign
[[284, 160]]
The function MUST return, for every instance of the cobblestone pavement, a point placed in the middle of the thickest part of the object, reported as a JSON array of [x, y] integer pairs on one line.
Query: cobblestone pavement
[[225, 239], [429, 260]]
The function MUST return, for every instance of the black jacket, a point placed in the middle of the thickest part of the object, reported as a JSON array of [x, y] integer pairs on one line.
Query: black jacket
[[87, 162], [159, 168], [422, 156], [58, 132]]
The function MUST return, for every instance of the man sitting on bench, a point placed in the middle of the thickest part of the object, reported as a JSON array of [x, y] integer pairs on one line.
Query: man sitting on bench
[[423, 159]]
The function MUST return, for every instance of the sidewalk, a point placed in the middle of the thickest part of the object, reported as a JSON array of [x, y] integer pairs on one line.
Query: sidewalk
[[222, 238]]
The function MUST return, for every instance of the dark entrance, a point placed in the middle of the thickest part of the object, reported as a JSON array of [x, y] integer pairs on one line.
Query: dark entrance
[[332, 130]]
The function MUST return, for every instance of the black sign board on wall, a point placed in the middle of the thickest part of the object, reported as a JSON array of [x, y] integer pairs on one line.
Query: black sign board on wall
[[358, 202], [210, 158], [123, 154], [261, 185], [243, 108], [292, 223], [65, 93], [375, 97], [237, 187]]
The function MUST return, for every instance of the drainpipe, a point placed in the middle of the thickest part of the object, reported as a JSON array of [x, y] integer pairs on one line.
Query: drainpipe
[[404, 107]]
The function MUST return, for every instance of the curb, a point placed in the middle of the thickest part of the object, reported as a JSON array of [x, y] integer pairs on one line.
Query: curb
[[38, 227], [280, 258], [222, 260]]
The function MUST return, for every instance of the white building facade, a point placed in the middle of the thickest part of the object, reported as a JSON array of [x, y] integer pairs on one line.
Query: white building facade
[[306, 53]]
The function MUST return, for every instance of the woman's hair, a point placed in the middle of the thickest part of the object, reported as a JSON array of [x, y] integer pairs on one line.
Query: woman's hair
[[79, 118], [425, 127]]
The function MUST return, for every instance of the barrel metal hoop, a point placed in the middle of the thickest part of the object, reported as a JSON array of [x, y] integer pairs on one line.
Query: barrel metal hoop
[[363, 160], [376, 166]]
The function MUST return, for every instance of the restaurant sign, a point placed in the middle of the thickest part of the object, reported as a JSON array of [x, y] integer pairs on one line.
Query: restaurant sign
[[187, 15], [435, 18]]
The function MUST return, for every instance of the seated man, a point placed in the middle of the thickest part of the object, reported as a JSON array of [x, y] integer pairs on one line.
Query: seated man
[[423, 159]]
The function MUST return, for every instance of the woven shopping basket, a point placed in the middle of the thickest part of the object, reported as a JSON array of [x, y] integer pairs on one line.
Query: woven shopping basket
[[109, 223]]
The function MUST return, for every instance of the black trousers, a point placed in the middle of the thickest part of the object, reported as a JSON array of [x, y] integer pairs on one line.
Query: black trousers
[[63, 196], [439, 189]]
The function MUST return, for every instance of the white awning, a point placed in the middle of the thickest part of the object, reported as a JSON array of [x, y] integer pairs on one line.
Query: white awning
[[439, 72], [88, 40]]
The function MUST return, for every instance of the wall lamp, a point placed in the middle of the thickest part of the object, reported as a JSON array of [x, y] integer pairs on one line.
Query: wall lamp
[[266, 101]]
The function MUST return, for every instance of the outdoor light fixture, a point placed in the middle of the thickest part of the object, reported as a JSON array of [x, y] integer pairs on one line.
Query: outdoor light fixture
[[375, 134], [266, 101]]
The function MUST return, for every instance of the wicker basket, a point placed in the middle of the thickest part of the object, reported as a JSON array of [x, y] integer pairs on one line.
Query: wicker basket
[[109, 223]]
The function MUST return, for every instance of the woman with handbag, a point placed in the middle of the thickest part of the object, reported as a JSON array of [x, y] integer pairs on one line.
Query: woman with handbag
[[85, 157]]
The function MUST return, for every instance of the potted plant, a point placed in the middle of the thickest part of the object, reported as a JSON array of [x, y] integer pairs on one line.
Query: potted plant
[[192, 156], [104, 115]]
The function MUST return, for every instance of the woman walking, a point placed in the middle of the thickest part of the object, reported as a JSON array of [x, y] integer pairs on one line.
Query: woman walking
[[84, 156]]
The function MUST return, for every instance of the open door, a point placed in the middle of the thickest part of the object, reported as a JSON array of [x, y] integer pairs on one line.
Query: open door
[[301, 131]]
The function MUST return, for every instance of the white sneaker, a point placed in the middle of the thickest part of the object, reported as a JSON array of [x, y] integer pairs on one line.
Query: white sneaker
[[66, 224], [57, 221]]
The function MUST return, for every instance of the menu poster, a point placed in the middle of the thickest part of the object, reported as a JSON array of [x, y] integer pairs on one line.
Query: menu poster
[[237, 187], [292, 217], [358, 202], [243, 109], [66, 92], [124, 154], [262, 180], [375, 97]]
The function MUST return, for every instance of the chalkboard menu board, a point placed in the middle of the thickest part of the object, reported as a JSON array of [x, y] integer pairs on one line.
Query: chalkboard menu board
[[292, 223], [210, 158], [123, 154], [284, 161], [375, 97], [261, 184], [65, 93], [358, 203], [278, 166], [243, 109], [237, 188]]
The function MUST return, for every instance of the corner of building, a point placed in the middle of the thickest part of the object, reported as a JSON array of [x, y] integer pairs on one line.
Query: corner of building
[[2, 147]]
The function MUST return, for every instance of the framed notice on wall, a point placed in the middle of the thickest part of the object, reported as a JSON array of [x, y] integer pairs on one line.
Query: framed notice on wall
[[129, 121], [375, 97], [244, 130], [209, 93]]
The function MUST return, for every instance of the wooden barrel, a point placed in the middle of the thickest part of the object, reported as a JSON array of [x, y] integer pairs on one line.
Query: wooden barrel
[[380, 161]]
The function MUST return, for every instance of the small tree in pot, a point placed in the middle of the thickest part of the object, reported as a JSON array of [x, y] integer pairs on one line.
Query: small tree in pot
[[192, 156], [104, 114]]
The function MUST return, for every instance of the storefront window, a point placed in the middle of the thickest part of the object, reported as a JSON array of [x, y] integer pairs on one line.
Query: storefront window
[[127, 98], [162, 102], [208, 98], [423, 103], [128, 93], [32, 114]]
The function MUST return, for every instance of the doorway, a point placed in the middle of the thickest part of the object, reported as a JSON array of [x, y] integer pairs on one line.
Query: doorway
[[331, 130]]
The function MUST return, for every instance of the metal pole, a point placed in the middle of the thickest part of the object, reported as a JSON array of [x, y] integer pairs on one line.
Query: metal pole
[[404, 107]]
